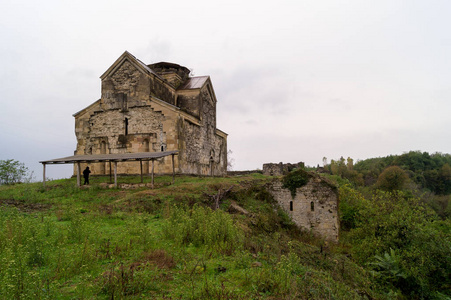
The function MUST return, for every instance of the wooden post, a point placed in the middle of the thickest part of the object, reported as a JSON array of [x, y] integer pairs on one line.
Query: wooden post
[[111, 180], [141, 165], [152, 171], [115, 174], [78, 174], [43, 175], [173, 169]]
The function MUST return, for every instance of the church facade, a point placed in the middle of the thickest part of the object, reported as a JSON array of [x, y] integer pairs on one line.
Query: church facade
[[151, 108]]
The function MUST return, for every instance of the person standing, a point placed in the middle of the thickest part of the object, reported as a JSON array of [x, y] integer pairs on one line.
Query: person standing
[[86, 175]]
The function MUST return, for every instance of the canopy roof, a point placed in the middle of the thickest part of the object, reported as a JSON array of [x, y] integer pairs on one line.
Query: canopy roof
[[109, 157]]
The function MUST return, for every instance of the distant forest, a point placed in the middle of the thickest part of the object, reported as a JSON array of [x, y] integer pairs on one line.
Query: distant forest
[[428, 171], [415, 172]]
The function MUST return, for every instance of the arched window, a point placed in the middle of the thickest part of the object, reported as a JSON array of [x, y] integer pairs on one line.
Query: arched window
[[312, 206], [291, 205]]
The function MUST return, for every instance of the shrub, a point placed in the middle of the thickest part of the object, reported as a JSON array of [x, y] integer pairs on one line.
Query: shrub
[[404, 224], [294, 180]]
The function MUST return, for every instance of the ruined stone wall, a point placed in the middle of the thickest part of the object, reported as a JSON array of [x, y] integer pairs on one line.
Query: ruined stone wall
[[272, 169], [315, 206]]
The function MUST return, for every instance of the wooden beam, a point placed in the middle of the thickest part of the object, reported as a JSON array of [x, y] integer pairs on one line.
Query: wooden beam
[[43, 175], [141, 165], [78, 174], [173, 169], [152, 171], [115, 174]]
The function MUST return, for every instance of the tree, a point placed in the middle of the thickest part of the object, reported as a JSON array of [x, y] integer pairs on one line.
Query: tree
[[12, 171], [392, 178], [230, 160], [350, 164]]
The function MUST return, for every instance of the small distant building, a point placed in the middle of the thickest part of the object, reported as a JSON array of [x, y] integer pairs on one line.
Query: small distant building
[[153, 108]]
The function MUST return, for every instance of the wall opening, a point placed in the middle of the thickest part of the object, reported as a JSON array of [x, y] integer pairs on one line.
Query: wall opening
[[291, 205], [126, 126], [312, 206]]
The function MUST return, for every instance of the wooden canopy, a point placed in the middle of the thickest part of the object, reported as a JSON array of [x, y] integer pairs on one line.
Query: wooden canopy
[[115, 158]]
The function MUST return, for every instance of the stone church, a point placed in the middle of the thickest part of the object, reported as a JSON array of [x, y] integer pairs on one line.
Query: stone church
[[151, 108]]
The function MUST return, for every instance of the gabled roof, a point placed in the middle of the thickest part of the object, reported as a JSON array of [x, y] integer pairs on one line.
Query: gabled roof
[[128, 56], [87, 107]]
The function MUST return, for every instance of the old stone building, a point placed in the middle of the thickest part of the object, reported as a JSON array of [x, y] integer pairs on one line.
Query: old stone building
[[314, 206], [150, 108]]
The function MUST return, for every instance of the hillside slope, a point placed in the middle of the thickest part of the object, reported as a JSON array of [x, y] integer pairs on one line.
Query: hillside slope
[[62, 242]]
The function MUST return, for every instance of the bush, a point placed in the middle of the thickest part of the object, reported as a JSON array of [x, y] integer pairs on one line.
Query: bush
[[294, 180], [394, 223]]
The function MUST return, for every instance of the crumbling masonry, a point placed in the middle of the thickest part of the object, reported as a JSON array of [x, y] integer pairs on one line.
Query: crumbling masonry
[[314, 206]]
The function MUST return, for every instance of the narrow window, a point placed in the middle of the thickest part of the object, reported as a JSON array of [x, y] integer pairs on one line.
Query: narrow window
[[126, 126], [291, 205], [162, 148], [312, 206]]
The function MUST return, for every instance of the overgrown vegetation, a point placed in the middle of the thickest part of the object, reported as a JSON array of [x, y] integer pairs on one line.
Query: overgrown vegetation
[[395, 215], [294, 180], [62, 242]]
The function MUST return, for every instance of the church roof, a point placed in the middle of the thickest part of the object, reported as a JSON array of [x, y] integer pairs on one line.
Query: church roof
[[194, 83]]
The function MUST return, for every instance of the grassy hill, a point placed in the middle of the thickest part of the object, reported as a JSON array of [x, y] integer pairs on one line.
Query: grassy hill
[[63, 242]]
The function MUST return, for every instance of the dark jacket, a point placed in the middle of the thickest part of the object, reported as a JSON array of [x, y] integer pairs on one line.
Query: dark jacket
[[86, 173]]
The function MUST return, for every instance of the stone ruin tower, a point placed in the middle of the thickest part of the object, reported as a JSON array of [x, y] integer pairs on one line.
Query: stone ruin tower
[[314, 206]]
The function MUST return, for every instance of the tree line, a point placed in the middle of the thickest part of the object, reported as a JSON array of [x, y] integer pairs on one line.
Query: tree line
[[428, 172]]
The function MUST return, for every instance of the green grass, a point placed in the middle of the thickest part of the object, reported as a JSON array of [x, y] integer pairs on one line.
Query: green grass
[[62, 242]]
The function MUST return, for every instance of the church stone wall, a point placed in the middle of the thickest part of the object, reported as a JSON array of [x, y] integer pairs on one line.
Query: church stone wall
[[205, 152], [315, 206]]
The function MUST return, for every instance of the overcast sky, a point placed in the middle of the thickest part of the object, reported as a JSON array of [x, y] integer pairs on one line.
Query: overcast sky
[[295, 80]]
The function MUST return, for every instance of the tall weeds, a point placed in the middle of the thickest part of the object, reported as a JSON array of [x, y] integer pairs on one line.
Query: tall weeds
[[201, 226]]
